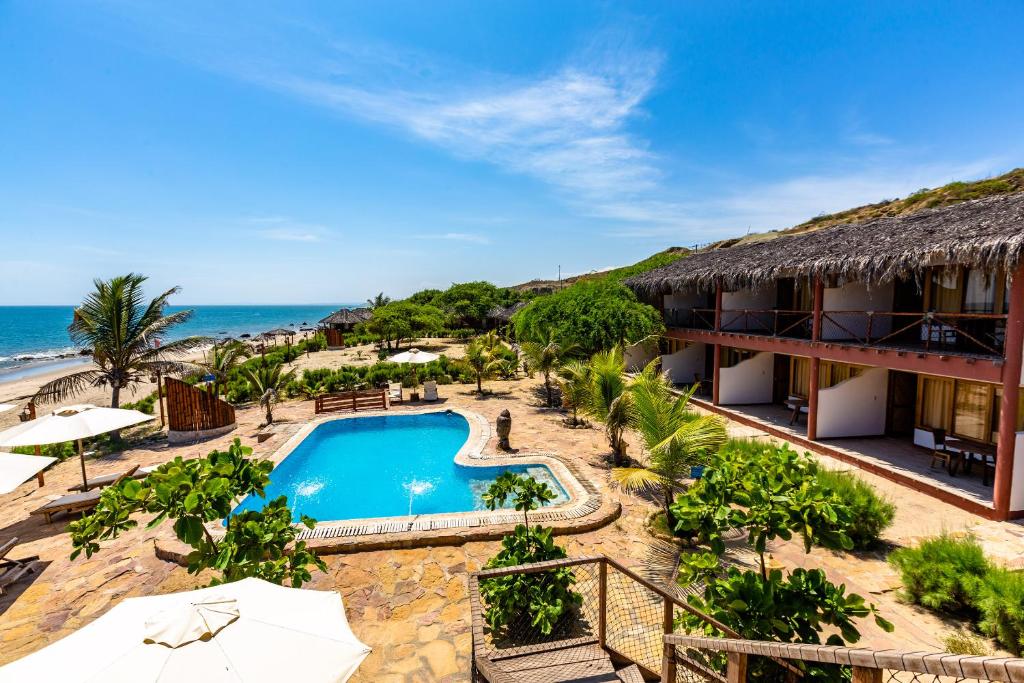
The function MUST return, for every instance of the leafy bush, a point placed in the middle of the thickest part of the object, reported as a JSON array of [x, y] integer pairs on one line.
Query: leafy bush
[[1000, 600], [942, 573], [61, 451], [145, 405], [194, 493], [870, 513], [535, 602]]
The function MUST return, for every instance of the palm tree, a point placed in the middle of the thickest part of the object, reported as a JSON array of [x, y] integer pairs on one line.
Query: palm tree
[[479, 359], [378, 301], [268, 381], [674, 437], [124, 334], [221, 359], [609, 399], [576, 382], [545, 358]]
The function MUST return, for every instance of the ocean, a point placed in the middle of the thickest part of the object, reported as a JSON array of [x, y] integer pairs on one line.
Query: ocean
[[35, 338]]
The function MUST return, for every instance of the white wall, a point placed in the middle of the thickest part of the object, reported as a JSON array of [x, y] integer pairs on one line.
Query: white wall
[[1017, 487], [857, 296], [855, 407], [747, 382], [689, 299], [684, 363], [638, 355], [751, 299]]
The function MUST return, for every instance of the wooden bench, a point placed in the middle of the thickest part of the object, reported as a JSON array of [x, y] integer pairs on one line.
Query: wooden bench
[[351, 401]]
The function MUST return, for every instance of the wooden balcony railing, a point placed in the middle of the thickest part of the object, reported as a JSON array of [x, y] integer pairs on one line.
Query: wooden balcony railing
[[967, 333]]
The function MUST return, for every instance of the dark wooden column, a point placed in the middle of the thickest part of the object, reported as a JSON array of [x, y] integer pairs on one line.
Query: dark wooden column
[[718, 308], [812, 382], [1013, 352]]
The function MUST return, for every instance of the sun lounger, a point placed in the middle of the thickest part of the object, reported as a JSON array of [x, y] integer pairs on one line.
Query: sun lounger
[[395, 392], [74, 502], [109, 479], [12, 570], [430, 391]]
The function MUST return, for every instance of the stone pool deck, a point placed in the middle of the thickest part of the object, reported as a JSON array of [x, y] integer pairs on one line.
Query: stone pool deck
[[411, 605]]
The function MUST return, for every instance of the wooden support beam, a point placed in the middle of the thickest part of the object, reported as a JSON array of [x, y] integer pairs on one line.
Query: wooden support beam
[[863, 674], [1013, 359], [812, 399], [737, 668]]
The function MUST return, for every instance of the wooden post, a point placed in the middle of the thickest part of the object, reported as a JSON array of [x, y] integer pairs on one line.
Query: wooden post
[[737, 668], [718, 308], [819, 297], [717, 360], [602, 601], [81, 459], [668, 656], [1013, 354], [160, 398], [862, 674], [812, 399]]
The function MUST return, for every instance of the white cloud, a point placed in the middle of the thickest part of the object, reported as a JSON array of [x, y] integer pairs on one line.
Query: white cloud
[[456, 237], [289, 235], [283, 229]]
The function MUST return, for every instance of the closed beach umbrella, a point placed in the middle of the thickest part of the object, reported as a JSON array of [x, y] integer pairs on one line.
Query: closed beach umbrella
[[413, 356], [16, 469], [71, 423], [250, 630]]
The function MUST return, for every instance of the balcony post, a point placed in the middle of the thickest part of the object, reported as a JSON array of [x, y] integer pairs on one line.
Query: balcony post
[[819, 297], [718, 308], [812, 399], [1013, 350]]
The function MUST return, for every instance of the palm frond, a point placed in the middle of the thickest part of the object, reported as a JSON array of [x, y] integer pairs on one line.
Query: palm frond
[[67, 386], [636, 479]]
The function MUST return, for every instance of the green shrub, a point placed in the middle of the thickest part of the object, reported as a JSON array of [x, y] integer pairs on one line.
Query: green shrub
[[963, 642], [1000, 600], [61, 451], [943, 573], [145, 405], [871, 513]]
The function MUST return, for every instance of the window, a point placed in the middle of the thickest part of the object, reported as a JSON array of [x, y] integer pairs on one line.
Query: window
[[935, 403], [963, 408], [945, 290], [973, 407], [799, 376], [731, 356], [830, 374], [980, 296]]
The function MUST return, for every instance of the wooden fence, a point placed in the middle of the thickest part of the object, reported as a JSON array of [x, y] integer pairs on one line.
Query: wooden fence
[[368, 399], [190, 409]]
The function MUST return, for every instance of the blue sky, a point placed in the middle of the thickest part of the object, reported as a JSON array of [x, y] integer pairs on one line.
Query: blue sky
[[319, 152]]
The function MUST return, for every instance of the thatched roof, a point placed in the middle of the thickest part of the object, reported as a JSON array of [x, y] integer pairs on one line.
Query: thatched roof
[[348, 316], [504, 313], [984, 233]]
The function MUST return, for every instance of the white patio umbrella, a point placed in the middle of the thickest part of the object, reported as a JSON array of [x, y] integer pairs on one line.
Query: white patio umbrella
[[71, 423], [250, 630], [413, 356], [16, 468]]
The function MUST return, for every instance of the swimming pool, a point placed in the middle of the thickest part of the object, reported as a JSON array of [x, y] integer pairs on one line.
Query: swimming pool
[[386, 466]]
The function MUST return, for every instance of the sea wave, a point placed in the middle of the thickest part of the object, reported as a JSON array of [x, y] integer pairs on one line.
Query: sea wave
[[40, 356]]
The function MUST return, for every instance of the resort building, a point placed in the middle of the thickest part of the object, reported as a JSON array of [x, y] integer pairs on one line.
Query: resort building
[[341, 322], [883, 343]]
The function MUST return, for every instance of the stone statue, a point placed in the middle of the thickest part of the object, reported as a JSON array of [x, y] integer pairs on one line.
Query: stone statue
[[504, 426]]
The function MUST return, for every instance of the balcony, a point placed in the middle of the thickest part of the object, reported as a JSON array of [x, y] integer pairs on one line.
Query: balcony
[[966, 334]]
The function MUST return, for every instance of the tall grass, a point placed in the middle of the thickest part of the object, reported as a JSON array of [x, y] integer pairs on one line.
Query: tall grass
[[943, 573]]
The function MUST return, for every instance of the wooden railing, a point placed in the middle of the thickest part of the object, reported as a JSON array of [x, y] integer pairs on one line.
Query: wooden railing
[[622, 613], [367, 399], [972, 333], [190, 409], [735, 657]]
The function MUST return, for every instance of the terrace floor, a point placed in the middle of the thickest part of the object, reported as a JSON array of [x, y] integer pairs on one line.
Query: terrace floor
[[411, 606], [897, 458]]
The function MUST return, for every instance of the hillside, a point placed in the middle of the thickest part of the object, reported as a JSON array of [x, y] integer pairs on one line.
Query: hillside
[[926, 198]]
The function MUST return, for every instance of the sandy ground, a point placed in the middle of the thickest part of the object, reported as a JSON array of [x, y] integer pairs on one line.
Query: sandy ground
[[411, 605], [20, 390]]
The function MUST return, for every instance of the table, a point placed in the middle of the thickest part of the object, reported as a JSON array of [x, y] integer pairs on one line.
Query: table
[[796, 404], [971, 449]]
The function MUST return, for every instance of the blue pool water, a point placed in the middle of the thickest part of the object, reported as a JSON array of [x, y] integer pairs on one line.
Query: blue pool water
[[376, 466]]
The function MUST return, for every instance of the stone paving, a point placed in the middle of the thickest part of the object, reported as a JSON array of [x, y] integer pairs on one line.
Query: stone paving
[[411, 605]]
